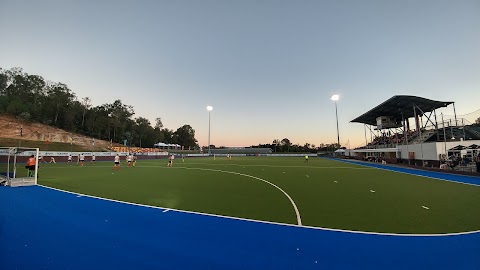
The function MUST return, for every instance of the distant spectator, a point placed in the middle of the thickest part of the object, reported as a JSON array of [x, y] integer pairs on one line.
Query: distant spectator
[[455, 160], [477, 162]]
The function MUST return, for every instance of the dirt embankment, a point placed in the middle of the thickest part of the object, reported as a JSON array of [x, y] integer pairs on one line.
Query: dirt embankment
[[10, 128]]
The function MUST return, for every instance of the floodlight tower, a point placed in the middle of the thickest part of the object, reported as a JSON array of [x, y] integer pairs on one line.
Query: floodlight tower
[[335, 98], [209, 109]]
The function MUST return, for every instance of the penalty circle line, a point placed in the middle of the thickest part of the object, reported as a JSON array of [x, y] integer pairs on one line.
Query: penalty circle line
[[297, 212]]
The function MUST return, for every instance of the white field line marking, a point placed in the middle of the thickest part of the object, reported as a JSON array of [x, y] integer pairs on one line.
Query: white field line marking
[[287, 166], [263, 221], [297, 213], [259, 165], [424, 207], [436, 178]]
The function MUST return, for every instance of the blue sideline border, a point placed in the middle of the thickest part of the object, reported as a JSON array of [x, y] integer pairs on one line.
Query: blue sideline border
[[42, 228], [465, 179]]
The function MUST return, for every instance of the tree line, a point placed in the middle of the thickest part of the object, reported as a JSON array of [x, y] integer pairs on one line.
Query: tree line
[[32, 98], [286, 146]]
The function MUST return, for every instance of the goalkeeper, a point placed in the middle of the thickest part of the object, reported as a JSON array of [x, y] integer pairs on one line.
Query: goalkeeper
[[31, 166]]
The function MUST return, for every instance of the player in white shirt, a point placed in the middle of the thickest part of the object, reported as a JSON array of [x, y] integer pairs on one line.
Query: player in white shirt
[[69, 159], [81, 158], [129, 160], [41, 159], [134, 160], [52, 160], [116, 160], [93, 159], [170, 160]]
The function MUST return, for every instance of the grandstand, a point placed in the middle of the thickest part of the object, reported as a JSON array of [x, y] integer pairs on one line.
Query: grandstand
[[407, 129]]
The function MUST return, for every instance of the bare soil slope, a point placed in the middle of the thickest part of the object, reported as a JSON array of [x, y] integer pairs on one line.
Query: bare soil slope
[[10, 128]]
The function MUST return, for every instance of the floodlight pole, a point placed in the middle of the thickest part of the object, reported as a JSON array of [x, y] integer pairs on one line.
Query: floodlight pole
[[336, 115], [208, 132], [335, 98], [209, 109]]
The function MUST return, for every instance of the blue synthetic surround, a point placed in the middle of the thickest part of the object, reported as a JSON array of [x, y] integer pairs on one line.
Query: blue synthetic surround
[[41, 228], [466, 179]]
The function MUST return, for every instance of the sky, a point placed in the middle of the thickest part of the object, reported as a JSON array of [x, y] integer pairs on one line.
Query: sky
[[268, 67]]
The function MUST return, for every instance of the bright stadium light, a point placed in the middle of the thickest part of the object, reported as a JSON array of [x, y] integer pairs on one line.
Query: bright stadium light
[[209, 109], [335, 98]]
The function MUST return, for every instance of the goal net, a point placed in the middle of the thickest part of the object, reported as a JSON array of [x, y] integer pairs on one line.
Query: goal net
[[14, 169]]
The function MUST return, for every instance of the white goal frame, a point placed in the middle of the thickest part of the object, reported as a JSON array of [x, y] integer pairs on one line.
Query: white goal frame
[[10, 155]]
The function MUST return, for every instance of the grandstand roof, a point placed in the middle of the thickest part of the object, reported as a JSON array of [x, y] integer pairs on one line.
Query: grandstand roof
[[396, 105]]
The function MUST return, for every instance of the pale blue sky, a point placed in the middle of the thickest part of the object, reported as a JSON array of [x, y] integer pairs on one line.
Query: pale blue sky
[[268, 67]]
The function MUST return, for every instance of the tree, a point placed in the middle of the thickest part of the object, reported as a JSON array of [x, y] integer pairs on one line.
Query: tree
[[3, 88], [87, 103], [142, 128], [119, 115], [168, 135], [285, 144], [477, 121], [158, 123], [276, 143], [306, 147], [73, 116], [185, 136], [30, 97], [37, 87], [58, 98]]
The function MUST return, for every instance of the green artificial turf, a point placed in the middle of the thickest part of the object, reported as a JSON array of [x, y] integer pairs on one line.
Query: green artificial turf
[[328, 193]]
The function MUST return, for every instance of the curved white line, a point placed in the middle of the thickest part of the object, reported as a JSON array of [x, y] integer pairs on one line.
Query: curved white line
[[297, 213], [262, 221]]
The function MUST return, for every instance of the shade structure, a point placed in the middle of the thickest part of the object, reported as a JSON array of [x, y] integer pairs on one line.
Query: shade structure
[[398, 108], [473, 146], [458, 148]]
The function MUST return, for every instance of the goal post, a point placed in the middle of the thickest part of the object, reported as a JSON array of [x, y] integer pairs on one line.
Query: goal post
[[14, 171]]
